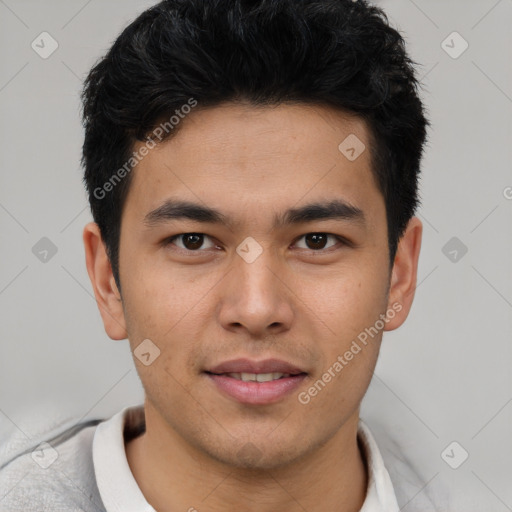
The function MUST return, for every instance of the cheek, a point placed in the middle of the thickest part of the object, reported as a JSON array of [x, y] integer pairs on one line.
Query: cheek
[[165, 308], [347, 301], [155, 297], [350, 306]]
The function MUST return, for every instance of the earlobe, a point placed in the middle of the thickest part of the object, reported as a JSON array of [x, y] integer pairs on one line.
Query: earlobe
[[404, 275], [102, 279]]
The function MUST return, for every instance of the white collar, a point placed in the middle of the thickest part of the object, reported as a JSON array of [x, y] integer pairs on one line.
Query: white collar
[[380, 495], [118, 488], [120, 492]]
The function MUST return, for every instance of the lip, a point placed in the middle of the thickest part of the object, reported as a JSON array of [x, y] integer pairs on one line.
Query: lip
[[256, 393], [248, 366]]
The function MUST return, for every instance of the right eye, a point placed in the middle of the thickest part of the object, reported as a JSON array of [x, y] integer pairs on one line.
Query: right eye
[[191, 242]]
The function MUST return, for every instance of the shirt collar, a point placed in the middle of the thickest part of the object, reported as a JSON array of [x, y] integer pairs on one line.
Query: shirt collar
[[118, 488], [120, 492], [380, 494]]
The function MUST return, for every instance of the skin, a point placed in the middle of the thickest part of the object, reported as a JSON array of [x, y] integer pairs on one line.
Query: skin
[[294, 303]]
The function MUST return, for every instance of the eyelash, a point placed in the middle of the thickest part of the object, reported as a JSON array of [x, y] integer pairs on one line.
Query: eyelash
[[342, 241]]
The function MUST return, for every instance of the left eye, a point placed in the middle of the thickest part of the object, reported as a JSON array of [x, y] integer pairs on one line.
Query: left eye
[[318, 241]]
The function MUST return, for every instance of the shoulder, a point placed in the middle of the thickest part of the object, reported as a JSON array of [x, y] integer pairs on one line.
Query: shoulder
[[52, 470], [413, 472]]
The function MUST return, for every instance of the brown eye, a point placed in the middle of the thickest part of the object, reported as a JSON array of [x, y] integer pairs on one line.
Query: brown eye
[[318, 241], [190, 241]]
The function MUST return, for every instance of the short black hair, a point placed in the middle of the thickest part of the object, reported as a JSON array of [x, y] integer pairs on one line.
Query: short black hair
[[339, 53]]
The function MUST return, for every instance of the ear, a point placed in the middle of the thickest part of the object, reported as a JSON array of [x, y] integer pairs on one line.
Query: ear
[[102, 279], [404, 275]]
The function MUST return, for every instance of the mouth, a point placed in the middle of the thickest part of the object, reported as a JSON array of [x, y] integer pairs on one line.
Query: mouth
[[256, 383], [257, 377]]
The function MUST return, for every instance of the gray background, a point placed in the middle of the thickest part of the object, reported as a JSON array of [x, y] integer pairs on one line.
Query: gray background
[[444, 376]]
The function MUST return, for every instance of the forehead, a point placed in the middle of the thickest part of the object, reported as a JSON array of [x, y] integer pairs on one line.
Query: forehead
[[235, 155]]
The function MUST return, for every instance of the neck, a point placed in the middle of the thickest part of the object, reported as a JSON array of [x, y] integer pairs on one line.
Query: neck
[[172, 475]]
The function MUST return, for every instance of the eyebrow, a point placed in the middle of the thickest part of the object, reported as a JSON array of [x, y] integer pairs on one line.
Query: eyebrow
[[335, 209]]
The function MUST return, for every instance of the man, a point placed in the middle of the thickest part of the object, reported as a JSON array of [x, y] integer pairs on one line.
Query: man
[[252, 170]]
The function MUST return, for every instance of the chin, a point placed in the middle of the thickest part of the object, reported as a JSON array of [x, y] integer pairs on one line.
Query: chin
[[256, 455]]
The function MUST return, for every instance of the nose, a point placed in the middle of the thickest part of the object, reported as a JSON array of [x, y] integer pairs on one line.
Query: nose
[[255, 299]]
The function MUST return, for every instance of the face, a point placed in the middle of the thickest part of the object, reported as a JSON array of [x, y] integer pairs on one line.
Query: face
[[258, 282]]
